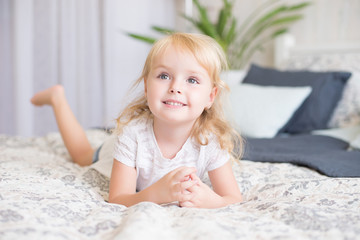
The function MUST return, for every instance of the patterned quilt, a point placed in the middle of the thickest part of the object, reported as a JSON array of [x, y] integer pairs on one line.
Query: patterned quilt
[[43, 195]]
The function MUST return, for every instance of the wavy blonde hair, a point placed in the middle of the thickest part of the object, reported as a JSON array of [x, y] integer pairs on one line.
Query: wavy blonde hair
[[210, 56]]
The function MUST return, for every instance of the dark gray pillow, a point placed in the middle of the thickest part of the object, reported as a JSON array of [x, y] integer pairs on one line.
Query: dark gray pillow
[[314, 113], [325, 154]]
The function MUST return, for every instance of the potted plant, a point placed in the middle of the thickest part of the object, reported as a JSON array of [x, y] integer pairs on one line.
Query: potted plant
[[241, 41]]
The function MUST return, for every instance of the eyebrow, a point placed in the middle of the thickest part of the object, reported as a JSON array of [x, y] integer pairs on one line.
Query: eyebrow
[[161, 66], [191, 72]]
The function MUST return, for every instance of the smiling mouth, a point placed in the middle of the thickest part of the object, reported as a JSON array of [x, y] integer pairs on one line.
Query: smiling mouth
[[171, 103]]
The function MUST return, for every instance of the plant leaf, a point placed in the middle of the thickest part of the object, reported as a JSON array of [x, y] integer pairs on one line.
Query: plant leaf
[[199, 25], [224, 14], [162, 30], [207, 27], [231, 35], [146, 39], [286, 20], [248, 20], [258, 46], [269, 20], [222, 19], [299, 6], [279, 32]]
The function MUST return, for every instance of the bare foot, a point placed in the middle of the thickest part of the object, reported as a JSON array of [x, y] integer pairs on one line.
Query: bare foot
[[48, 96]]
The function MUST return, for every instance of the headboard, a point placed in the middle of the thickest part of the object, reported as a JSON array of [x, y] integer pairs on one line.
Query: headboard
[[325, 57]]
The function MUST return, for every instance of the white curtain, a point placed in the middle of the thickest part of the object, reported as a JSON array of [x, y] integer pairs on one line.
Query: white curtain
[[77, 43], [43, 43]]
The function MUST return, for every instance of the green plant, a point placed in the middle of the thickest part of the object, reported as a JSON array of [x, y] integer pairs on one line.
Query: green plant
[[265, 23]]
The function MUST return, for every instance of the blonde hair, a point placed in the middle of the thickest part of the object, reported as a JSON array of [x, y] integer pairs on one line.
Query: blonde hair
[[210, 55]]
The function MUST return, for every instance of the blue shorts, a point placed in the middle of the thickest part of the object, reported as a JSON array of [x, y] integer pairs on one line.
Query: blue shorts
[[96, 155]]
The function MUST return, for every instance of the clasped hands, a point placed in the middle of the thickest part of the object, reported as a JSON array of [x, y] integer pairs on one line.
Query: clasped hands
[[184, 186]]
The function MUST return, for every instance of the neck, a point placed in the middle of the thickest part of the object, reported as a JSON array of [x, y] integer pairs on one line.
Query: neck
[[171, 137]]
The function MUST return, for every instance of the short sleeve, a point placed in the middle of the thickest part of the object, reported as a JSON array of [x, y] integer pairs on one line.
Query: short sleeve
[[217, 157], [125, 147]]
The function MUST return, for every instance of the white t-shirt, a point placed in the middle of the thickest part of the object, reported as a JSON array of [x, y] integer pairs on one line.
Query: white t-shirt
[[137, 147]]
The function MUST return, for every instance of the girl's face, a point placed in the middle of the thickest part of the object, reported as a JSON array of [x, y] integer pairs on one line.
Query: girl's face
[[178, 88]]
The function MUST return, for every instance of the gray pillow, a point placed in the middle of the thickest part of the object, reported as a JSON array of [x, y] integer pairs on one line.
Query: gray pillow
[[316, 110], [325, 154]]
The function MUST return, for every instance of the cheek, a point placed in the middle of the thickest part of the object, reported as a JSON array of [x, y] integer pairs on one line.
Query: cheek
[[153, 93], [207, 95], [151, 89], [202, 99]]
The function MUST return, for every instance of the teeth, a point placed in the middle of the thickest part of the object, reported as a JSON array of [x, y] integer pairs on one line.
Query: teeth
[[174, 103]]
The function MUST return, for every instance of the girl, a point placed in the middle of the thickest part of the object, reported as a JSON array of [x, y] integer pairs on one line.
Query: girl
[[169, 137]]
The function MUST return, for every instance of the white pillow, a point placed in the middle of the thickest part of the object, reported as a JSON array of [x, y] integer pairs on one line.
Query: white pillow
[[261, 111], [355, 144], [233, 77], [347, 134]]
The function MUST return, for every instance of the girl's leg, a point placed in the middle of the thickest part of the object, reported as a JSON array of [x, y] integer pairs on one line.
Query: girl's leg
[[71, 131]]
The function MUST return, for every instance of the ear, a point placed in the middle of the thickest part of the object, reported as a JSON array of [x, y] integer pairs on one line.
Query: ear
[[213, 94]]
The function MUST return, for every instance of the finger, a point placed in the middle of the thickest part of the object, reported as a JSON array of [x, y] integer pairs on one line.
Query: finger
[[193, 176], [177, 170], [194, 188], [186, 178], [183, 186], [187, 204], [196, 179], [183, 197], [187, 184], [183, 172]]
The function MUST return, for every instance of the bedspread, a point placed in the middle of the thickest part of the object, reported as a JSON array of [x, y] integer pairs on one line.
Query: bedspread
[[43, 195]]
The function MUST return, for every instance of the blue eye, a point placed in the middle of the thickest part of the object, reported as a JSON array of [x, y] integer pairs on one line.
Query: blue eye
[[192, 81], [163, 76]]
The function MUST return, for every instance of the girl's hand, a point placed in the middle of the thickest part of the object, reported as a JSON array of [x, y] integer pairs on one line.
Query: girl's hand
[[173, 186], [202, 195], [226, 190]]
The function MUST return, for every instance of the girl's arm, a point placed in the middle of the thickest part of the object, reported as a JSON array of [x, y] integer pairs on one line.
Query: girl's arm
[[172, 187], [224, 184], [225, 190]]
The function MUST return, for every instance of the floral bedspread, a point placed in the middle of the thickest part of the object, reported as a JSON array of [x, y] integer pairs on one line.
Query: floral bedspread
[[43, 195]]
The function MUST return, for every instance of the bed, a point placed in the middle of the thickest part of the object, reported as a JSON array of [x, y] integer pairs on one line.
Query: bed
[[43, 195]]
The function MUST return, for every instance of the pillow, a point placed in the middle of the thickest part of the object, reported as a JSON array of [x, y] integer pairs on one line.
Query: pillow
[[346, 134], [355, 144], [347, 112], [260, 111], [315, 112], [233, 77]]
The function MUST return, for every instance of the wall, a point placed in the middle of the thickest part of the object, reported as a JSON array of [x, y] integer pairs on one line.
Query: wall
[[329, 22], [324, 22], [80, 44]]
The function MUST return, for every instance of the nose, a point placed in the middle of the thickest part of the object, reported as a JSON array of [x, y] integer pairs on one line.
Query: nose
[[172, 90], [175, 87]]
